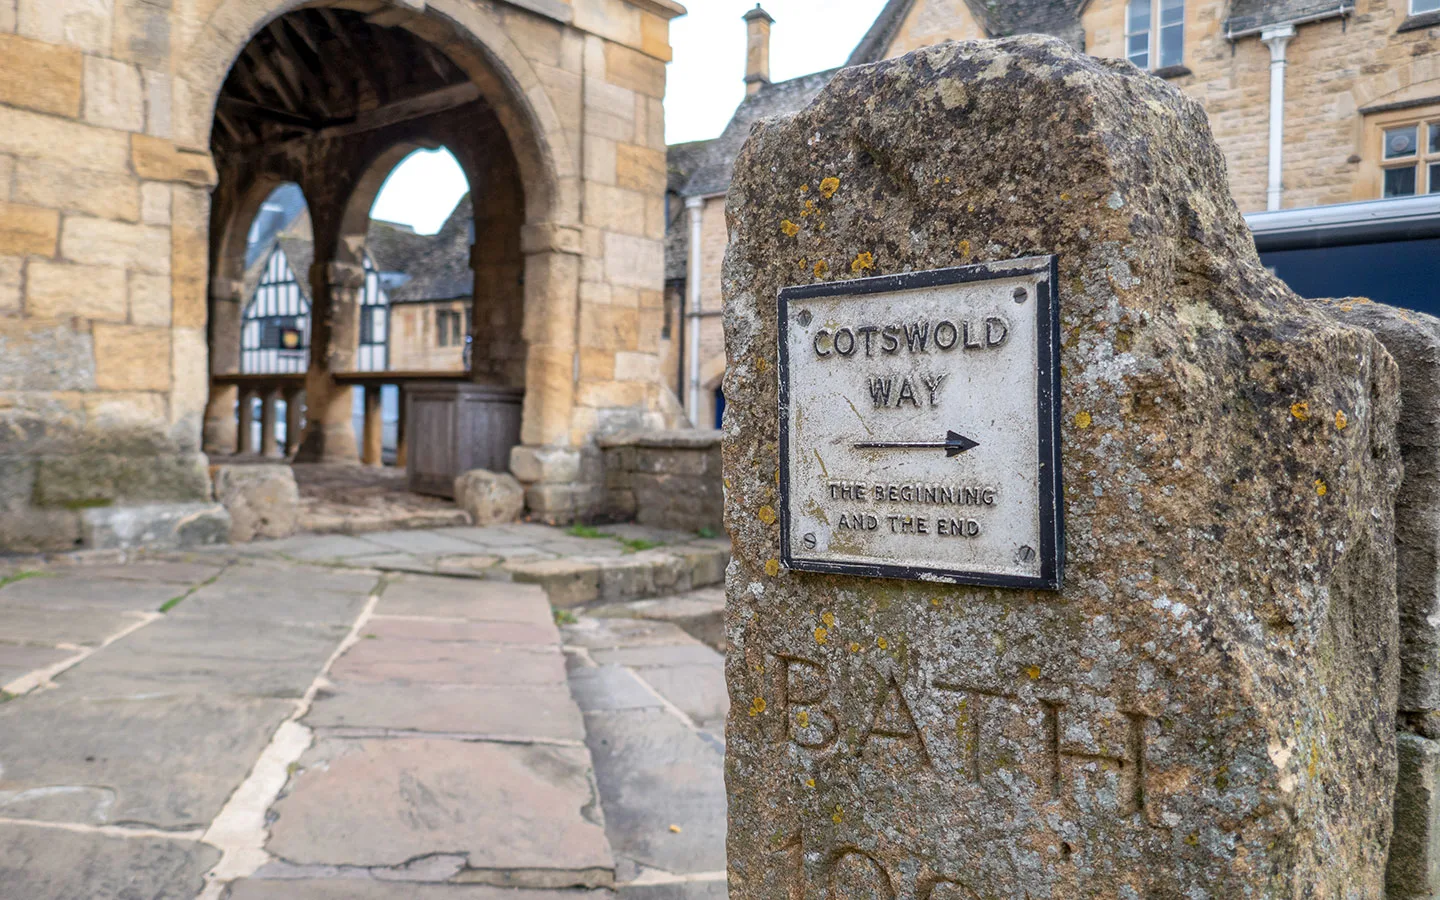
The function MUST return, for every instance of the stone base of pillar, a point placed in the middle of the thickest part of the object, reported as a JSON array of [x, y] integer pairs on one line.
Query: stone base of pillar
[[220, 430]]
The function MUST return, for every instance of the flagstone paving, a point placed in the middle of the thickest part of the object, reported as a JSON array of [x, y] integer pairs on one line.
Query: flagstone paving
[[389, 715]]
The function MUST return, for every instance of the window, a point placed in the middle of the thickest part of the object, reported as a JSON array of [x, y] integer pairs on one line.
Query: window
[[447, 328], [1424, 6], [1155, 32], [1410, 159]]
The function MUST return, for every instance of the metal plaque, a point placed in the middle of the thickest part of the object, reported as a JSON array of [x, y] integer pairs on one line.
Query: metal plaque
[[919, 426]]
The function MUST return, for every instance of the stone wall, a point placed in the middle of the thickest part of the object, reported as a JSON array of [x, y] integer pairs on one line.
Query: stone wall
[[111, 254], [1207, 705], [665, 479]]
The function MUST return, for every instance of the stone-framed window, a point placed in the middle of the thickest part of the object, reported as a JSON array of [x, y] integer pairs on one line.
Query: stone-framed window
[[1418, 7], [447, 328], [1155, 33], [1405, 148]]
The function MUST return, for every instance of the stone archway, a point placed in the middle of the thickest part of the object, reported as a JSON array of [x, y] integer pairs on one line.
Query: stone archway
[[473, 38]]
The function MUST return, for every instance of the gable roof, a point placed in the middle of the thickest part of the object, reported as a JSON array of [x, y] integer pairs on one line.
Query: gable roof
[[999, 18], [713, 165], [441, 271]]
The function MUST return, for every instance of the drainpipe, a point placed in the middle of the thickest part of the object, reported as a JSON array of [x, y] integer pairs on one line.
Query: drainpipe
[[696, 208], [1277, 38]]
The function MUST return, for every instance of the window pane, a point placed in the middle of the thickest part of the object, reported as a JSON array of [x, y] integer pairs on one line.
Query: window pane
[[377, 331], [1172, 45], [1172, 12], [1400, 142], [1435, 178], [1137, 19], [1423, 6], [1435, 132], [1139, 52], [1400, 182]]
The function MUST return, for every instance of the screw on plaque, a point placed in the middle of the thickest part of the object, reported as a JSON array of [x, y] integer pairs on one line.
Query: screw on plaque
[[810, 542], [1026, 554], [1020, 295], [803, 317]]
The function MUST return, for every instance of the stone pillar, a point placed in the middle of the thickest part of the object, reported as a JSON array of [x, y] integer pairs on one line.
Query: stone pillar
[[546, 463], [294, 419], [373, 445], [1205, 707], [246, 427], [402, 446], [329, 432], [221, 432], [268, 432]]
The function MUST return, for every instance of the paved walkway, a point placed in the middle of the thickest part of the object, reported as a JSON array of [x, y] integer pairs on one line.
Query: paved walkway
[[331, 717]]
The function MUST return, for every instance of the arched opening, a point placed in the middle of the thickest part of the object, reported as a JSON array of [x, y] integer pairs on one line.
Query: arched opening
[[327, 103]]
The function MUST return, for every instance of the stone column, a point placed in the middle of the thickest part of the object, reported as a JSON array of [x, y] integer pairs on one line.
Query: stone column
[[221, 431], [268, 432], [547, 462], [294, 419], [329, 432], [246, 427], [373, 445], [1206, 706]]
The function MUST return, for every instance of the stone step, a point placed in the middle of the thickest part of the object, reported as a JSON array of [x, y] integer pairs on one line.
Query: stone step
[[699, 613], [579, 580]]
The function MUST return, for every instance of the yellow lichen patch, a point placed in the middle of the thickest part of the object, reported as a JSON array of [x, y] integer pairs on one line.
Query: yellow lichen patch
[[1300, 410], [804, 188], [789, 228], [809, 782], [837, 816], [676, 829], [761, 365], [1033, 672], [1064, 197], [882, 643], [1340, 420], [964, 248], [808, 210], [934, 601], [757, 706], [828, 619], [772, 567], [1082, 420], [821, 268], [766, 515], [862, 262], [802, 718], [804, 263], [829, 186], [821, 635], [854, 646], [1320, 487]]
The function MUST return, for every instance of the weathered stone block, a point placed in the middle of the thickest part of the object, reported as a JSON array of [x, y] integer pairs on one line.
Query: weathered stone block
[[641, 169], [98, 480], [635, 71], [44, 356], [149, 299], [102, 242], [158, 159], [28, 230], [55, 290], [262, 501], [78, 23], [109, 195], [132, 358], [1207, 706], [113, 94], [1414, 340], [11, 268], [39, 76], [26, 133], [156, 525], [567, 582], [155, 203], [554, 465], [490, 498], [1414, 868]]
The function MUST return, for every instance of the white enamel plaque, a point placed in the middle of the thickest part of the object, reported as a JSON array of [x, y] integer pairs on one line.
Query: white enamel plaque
[[919, 426]]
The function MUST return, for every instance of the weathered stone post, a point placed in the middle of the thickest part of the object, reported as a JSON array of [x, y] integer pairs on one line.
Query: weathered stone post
[[1205, 707]]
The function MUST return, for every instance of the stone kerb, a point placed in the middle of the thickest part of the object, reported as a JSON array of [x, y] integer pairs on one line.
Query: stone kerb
[[1206, 708]]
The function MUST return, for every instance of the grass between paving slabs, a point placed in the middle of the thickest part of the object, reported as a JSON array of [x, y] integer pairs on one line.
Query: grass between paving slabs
[[631, 545], [21, 576], [563, 616], [175, 601]]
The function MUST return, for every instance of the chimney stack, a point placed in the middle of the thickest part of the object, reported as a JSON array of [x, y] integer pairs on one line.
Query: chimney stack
[[757, 49]]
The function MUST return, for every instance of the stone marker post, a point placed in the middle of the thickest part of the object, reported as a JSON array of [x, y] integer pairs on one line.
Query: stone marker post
[[1205, 707]]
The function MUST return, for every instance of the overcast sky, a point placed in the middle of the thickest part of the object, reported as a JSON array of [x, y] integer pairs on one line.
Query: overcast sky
[[705, 84]]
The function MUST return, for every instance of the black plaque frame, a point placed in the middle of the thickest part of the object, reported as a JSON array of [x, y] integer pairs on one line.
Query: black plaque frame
[[1047, 402]]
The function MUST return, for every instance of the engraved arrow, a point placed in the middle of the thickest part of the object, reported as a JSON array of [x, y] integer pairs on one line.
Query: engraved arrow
[[954, 444]]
